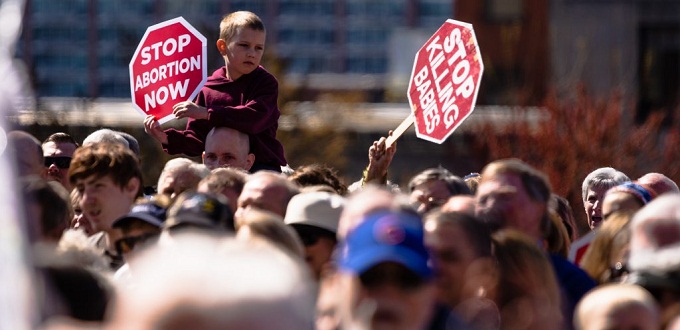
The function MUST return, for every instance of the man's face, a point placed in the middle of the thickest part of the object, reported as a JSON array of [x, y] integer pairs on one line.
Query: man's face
[[103, 201], [244, 52], [451, 254], [262, 193], [593, 205], [429, 195], [402, 300], [225, 148], [57, 158], [502, 202], [318, 248]]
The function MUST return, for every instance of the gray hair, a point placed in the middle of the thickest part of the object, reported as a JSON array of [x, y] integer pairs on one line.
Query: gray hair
[[183, 164], [106, 135], [605, 177]]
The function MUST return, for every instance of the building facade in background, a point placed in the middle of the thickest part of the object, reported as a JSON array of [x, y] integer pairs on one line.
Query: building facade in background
[[81, 48]]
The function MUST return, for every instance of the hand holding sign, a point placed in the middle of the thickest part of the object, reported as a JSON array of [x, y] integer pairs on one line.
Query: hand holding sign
[[168, 67], [444, 82]]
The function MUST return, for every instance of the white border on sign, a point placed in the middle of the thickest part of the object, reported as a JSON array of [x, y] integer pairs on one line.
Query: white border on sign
[[204, 54], [478, 82]]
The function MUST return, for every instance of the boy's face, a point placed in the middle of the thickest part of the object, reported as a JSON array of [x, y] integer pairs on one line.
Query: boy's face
[[103, 201], [242, 54]]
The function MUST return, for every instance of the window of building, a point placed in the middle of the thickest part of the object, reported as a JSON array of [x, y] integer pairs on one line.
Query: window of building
[[659, 70], [504, 11]]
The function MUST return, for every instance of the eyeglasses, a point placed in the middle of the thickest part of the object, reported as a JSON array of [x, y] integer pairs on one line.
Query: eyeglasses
[[61, 162], [127, 244]]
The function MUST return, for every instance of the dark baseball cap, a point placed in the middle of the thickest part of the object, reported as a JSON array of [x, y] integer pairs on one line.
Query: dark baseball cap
[[148, 212], [204, 210]]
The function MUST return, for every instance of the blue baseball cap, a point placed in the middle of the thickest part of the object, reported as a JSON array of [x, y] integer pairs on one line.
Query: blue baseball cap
[[382, 237], [148, 212]]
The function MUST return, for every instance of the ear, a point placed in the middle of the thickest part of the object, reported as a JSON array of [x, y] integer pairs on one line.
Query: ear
[[221, 46], [132, 187], [250, 160]]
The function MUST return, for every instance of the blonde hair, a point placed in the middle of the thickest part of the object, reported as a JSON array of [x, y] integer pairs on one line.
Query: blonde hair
[[232, 23], [596, 260], [270, 227]]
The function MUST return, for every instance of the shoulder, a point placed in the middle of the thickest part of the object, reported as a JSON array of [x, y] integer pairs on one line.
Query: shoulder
[[568, 273], [262, 74]]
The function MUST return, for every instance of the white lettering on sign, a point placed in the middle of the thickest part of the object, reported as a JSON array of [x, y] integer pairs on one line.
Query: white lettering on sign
[[166, 71], [167, 47], [445, 79], [160, 95]]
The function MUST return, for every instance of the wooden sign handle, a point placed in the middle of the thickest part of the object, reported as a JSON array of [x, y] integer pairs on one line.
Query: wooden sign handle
[[408, 121]]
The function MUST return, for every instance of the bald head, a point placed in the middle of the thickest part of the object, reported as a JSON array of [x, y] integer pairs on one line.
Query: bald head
[[460, 204], [617, 306], [28, 153], [654, 230], [227, 147], [660, 183]]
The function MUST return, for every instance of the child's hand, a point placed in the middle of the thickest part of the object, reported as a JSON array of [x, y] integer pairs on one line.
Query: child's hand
[[188, 109], [153, 128]]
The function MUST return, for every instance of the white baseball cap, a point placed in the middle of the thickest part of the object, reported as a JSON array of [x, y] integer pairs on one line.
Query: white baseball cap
[[319, 209]]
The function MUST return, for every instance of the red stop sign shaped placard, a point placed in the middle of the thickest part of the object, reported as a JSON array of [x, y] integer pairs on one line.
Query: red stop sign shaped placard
[[445, 80], [169, 66]]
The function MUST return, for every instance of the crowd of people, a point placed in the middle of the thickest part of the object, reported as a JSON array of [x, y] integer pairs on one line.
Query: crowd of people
[[243, 241], [217, 247]]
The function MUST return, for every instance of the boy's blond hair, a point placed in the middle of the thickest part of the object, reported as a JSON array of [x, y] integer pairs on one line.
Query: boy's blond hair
[[231, 23]]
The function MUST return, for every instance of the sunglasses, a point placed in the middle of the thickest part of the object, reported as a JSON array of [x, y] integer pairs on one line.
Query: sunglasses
[[310, 235], [127, 244], [401, 277], [61, 162]]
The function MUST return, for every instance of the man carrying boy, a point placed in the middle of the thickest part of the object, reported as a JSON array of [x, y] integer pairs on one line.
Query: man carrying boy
[[108, 178], [241, 95]]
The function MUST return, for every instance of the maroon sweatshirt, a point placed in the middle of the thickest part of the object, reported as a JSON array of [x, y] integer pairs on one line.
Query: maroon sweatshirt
[[247, 104]]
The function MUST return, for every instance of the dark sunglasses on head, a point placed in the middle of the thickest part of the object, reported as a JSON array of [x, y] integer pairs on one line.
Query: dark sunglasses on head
[[61, 162], [127, 244]]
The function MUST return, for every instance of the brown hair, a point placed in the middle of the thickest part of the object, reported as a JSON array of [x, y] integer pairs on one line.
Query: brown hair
[[318, 174], [454, 184], [103, 158], [225, 177], [534, 181], [557, 236], [526, 276], [61, 137], [231, 23], [476, 232]]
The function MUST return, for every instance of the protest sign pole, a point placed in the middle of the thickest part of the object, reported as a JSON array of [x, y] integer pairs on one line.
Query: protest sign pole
[[405, 124]]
